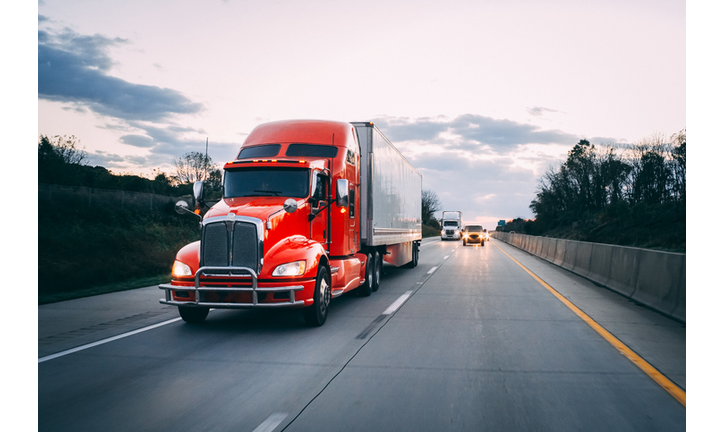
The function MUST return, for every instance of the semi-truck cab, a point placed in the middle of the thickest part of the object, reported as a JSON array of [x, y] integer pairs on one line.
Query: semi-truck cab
[[300, 222], [452, 225]]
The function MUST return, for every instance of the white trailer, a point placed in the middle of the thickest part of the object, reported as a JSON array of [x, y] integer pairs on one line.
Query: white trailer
[[452, 225], [390, 198]]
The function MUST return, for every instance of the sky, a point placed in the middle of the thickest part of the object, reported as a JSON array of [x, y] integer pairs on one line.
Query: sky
[[481, 96]]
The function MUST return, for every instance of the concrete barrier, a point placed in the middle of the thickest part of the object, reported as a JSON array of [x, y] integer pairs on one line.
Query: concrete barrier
[[600, 267], [659, 280], [549, 249], [560, 252], [569, 256], [624, 270], [652, 278], [582, 260]]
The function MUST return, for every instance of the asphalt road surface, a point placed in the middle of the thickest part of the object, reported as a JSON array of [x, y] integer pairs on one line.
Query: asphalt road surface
[[467, 341]]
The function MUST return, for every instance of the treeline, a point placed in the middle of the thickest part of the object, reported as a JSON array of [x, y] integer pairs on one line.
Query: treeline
[[622, 194], [60, 161]]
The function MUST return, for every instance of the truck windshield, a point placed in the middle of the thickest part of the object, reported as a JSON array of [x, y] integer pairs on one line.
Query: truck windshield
[[474, 228], [450, 223], [251, 182]]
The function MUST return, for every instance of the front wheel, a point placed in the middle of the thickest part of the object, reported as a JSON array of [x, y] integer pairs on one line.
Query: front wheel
[[316, 314], [193, 315]]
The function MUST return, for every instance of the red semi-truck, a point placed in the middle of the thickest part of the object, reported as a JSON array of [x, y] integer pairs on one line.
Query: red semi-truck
[[310, 211]]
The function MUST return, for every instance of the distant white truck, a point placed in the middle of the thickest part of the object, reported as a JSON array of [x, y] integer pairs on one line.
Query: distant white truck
[[452, 225]]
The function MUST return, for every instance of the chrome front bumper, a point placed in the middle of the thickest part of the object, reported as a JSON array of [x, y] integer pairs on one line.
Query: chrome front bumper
[[228, 272]]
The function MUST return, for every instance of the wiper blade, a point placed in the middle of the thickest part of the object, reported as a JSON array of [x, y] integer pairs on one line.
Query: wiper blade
[[276, 193]]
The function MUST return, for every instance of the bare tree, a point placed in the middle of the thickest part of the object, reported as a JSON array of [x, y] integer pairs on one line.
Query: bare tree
[[192, 167], [430, 204], [61, 149]]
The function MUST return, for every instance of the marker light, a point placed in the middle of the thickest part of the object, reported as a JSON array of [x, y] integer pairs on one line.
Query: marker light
[[343, 210]]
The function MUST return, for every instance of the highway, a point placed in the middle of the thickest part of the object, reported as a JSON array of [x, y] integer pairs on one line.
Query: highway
[[467, 341]]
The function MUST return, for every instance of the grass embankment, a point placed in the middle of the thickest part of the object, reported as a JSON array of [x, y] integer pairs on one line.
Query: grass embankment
[[82, 253], [428, 231]]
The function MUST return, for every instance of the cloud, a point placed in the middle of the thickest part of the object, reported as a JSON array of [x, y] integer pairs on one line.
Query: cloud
[[471, 132], [137, 140], [479, 165], [539, 111], [73, 68]]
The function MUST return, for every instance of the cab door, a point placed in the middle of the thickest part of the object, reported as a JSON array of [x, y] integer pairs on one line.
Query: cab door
[[319, 209]]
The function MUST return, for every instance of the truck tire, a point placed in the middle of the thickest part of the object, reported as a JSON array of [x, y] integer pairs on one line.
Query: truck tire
[[377, 274], [193, 315], [465, 243], [415, 256], [316, 314], [365, 289]]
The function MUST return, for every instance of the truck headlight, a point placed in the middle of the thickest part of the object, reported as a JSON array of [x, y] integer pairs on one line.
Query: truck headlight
[[181, 270], [295, 268]]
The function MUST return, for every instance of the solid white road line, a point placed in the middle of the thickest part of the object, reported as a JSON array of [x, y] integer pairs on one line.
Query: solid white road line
[[105, 341], [396, 305], [271, 422]]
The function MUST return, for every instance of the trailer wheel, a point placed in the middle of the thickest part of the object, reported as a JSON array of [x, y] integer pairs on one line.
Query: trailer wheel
[[365, 289], [415, 256], [316, 314], [377, 272], [193, 315]]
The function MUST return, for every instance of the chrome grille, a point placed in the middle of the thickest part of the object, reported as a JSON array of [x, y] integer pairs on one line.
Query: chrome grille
[[244, 246], [226, 243]]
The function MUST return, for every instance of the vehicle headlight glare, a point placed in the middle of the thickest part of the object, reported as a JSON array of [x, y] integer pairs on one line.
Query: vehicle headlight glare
[[181, 270], [295, 268]]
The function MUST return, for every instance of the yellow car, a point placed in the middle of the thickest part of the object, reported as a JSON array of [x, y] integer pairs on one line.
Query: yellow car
[[474, 234]]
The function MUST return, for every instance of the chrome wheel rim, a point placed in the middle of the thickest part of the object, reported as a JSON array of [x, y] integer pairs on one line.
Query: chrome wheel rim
[[325, 295]]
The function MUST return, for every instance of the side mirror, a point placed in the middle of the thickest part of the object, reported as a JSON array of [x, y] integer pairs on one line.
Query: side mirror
[[290, 205], [343, 193], [182, 207], [198, 190]]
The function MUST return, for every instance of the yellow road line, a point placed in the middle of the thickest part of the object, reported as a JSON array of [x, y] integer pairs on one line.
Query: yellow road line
[[668, 385]]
